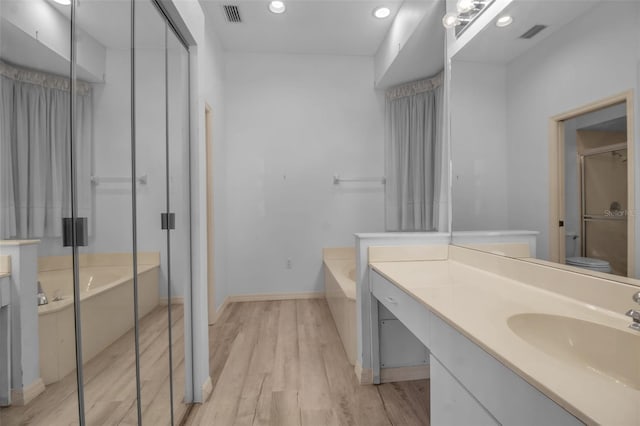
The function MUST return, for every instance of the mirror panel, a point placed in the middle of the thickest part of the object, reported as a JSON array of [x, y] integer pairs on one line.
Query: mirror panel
[[38, 355], [179, 195], [517, 103], [106, 277], [150, 150]]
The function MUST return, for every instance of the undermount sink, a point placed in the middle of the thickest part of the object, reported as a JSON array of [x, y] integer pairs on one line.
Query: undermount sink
[[604, 350]]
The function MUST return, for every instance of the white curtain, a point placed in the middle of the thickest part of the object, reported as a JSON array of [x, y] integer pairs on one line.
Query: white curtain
[[414, 155], [35, 169]]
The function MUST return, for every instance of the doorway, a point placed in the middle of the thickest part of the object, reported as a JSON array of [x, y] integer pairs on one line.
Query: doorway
[[591, 185]]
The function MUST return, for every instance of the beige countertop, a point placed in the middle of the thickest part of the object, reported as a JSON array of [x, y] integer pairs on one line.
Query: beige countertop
[[5, 274], [478, 304]]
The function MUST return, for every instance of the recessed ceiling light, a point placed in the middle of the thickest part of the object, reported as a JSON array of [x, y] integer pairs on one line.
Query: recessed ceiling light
[[277, 6], [382, 12], [504, 21], [63, 2]]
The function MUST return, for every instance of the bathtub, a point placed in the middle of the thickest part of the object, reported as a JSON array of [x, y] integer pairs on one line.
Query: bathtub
[[106, 306], [340, 291]]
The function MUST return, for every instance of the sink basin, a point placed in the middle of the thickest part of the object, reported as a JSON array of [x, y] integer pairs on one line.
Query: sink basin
[[598, 348]]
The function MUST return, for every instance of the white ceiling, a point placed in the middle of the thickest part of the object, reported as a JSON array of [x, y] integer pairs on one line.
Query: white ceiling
[[331, 27]]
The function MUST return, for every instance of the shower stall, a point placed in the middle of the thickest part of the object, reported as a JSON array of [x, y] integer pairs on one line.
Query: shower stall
[[95, 212]]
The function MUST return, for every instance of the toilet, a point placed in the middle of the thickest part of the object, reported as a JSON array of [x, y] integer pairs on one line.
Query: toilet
[[590, 263]]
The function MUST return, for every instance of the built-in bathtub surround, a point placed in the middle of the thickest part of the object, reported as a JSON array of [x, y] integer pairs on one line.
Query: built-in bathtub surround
[[516, 243], [5, 331], [26, 383], [340, 291], [106, 305], [500, 327], [363, 305]]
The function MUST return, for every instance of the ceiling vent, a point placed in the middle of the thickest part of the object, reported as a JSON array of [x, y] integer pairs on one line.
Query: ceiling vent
[[531, 32], [232, 12]]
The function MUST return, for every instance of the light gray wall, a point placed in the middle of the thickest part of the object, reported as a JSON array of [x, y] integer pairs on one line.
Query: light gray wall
[[214, 92], [479, 146], [292, 121], [588, 60]]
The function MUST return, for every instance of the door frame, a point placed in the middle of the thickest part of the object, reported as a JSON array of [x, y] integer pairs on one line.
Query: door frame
[[211, 294], [557, 249]]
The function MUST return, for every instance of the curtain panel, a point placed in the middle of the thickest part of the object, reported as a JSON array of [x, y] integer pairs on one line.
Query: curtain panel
[[414, 151], [35, 169]]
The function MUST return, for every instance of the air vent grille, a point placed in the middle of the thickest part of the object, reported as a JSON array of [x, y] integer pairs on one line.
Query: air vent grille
[[531, 32], [232, 12]]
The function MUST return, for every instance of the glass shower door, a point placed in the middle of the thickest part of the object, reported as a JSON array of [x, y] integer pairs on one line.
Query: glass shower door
[[604, 195]]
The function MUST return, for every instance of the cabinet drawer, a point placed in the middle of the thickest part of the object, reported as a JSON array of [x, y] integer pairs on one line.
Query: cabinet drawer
[[509, 398], [451, 404], [414, 315]]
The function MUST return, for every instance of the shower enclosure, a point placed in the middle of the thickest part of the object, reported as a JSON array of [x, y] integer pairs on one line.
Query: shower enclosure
[[94, 210], [604, 205]]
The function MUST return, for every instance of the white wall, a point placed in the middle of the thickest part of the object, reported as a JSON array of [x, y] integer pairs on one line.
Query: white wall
[[588, 60], [292, 121], [112, 156], [214, 92], [479, 146]]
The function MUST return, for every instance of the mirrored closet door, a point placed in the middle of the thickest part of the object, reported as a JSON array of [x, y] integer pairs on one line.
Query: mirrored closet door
[[94, 213], [162, 208]]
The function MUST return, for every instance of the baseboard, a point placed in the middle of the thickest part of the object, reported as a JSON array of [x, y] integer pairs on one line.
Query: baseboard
[[273, 297], [221, 310], [175, 300], [364, 375], [207, 389], [403, 374], [26, 395]]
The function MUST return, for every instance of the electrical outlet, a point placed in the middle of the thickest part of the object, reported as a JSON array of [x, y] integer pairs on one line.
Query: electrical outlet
[[289, 263]]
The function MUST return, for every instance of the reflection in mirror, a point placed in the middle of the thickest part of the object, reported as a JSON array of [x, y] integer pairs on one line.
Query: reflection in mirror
[[542, 132], [38, 351]]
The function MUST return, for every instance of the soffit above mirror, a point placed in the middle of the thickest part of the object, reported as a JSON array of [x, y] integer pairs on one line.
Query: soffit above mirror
[[501, 45]]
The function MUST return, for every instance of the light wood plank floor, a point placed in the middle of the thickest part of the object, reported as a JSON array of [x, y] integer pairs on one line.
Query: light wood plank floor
[[282, 363], [110, 392]]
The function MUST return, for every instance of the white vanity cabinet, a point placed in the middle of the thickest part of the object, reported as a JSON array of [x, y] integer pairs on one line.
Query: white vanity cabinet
[[451, 403], [468, 386]]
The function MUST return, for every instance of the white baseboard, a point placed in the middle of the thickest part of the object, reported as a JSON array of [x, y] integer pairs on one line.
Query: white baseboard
[[364, 375], [262, 298], [175, 300], [26, 395], [403, 374]]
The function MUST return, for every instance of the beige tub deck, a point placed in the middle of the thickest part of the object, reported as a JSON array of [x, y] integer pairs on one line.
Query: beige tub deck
[[340, 291]]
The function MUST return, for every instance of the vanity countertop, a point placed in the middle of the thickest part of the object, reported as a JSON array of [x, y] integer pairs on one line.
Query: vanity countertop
[[478, 304]]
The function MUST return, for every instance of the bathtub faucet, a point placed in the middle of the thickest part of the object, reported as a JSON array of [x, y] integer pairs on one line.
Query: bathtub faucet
[[42, 298], [635, 315]]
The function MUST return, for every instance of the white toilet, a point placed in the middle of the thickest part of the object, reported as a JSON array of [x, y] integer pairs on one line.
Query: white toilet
[[583, 262], [590, 263]]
